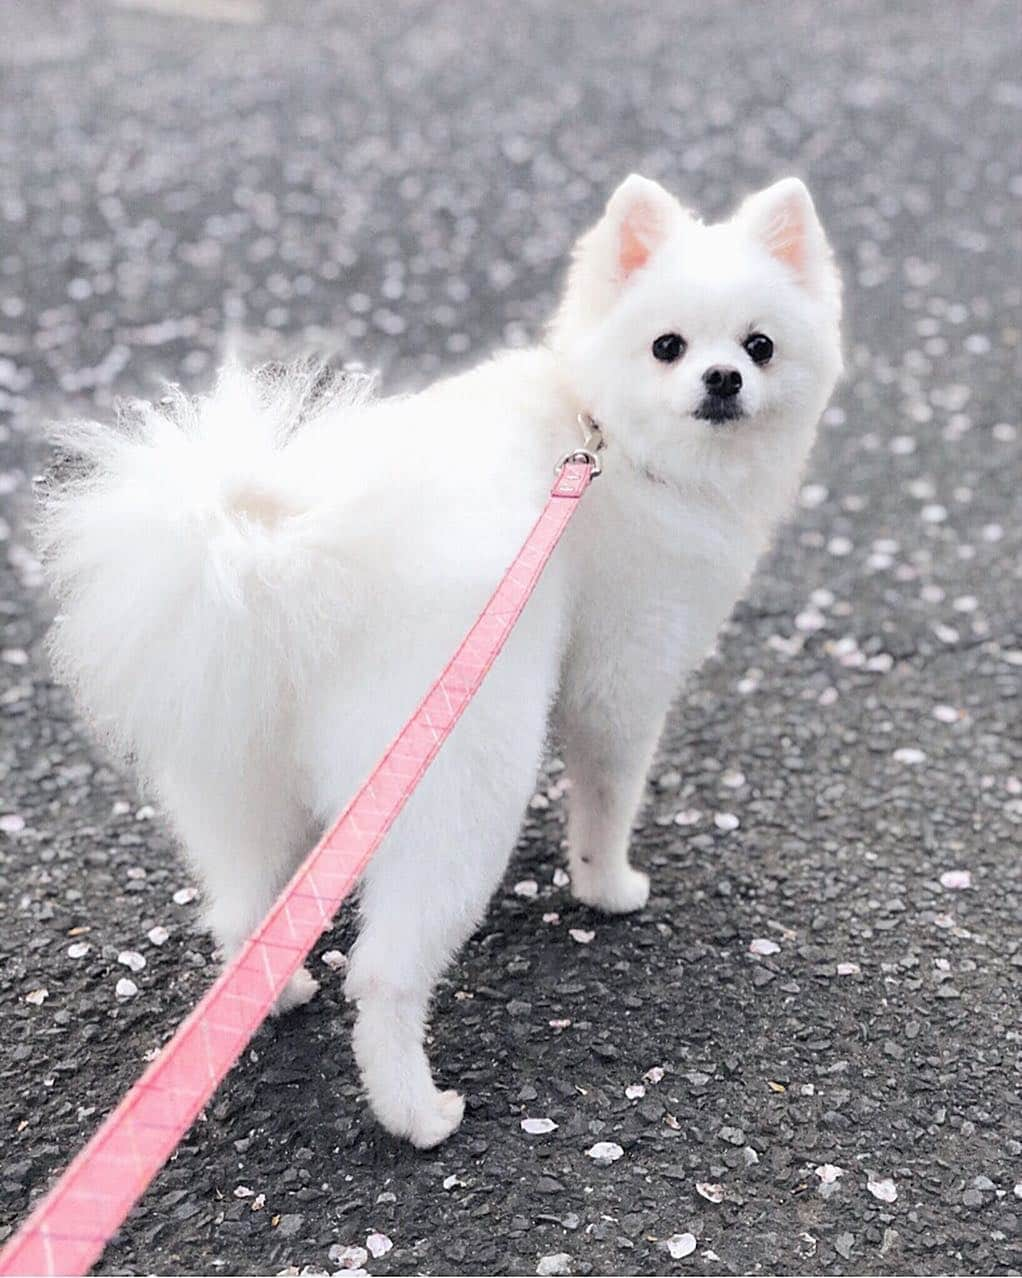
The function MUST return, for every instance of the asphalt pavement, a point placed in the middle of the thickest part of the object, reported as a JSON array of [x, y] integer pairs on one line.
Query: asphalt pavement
[[808, 1046]]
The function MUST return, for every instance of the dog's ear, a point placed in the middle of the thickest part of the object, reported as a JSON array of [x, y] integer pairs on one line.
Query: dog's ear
[[783, 220], [640, 216]]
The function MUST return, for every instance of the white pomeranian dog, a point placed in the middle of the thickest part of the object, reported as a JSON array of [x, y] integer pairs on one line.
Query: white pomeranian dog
[[257, 586]]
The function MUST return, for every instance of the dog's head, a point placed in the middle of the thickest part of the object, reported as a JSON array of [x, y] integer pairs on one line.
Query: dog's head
[[683, 339]]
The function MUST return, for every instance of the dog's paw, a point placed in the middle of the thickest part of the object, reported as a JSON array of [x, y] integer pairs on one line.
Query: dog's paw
[[622, 892], [299, 990], [432, 1124]]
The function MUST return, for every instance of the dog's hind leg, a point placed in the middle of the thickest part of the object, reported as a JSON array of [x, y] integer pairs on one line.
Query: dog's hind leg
[[244, 843]]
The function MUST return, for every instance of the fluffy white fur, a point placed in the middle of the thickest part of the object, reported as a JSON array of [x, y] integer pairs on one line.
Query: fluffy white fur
[[257, 586]]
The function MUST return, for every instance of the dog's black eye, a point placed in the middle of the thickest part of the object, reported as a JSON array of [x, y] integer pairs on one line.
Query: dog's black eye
[[759, 348], [668, 347]]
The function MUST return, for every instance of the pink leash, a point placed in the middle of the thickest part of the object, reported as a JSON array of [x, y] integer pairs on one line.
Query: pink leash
[[68, 1230]]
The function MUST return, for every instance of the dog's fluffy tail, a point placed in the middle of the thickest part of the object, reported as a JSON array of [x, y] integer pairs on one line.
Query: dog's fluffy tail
[[182, 548]]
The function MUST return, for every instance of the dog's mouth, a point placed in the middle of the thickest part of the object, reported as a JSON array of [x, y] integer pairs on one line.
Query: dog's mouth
[[717, 410]]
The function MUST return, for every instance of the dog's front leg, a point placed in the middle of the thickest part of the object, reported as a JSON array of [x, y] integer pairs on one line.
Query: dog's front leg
[[608, 744]]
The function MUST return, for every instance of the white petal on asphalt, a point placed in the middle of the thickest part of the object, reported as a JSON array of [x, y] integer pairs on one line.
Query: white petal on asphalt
[[885, 1190], [561, 878], [910, 755], [604, 1152], [635, 1091], [955, 880], [452, 1181], [378, 1245], [37, 998], [848, 969], [553, 1266], [184, 895], [158, 935], [763, 945], [829, 1173], [726, 821], [336, 960], [78, 950], [538, 1126], [680, 1245], [348, 1257], [654, 1074], [126, 988], [131, 959], [526, 888], [581, 935], [710, 1190], [11, 823], [243, 1191], [945, 714], [690, 816]]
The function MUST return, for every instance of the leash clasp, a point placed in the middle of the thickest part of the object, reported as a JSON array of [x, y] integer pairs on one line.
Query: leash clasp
[[593, 444]]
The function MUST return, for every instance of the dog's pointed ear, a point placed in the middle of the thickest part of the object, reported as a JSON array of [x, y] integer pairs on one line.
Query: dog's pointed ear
[[640, 216], [783, 220]]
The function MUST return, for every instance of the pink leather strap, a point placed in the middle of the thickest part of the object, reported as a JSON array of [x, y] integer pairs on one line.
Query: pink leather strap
[[68, 1230]]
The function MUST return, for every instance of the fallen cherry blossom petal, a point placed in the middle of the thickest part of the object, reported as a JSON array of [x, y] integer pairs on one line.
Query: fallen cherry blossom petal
[[348, 1257], [378, 1245], [763, 945], [690, 816], [336, 960], [561, 878], [556, 1265], [37, 997], [78, 950], [680, 1245], [726, 821], [125, 988], [885, 1190], [635, 1091], [954, 880], [184, 895], [910, 755], [654, 1074], [158, 935], [131, 959], [581, 935], [711, 1191], [538, 1126], [527, 888], [848, 969], [605, 1152]]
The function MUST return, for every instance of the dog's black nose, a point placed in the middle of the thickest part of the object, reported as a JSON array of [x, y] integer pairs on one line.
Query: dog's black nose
[[722, 381]]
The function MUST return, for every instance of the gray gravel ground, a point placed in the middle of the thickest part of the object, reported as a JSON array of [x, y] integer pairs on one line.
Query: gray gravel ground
[[402, 181]]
